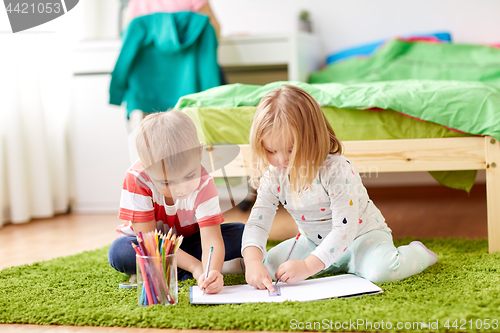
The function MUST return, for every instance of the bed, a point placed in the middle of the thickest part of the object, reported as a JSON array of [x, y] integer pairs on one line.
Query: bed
[[448, 127]]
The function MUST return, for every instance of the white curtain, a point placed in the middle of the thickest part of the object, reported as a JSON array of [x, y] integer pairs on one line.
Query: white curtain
[[35, 88]]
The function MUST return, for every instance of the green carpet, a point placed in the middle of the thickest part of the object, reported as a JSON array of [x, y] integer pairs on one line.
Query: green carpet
[[462, 289]]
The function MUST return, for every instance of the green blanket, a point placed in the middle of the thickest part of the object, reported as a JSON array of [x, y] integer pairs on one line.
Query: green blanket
[[470, 107], [216, 125], [400, 60], [455, 85]]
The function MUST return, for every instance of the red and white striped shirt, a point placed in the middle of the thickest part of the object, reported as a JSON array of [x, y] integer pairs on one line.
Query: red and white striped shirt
[[142, 202]]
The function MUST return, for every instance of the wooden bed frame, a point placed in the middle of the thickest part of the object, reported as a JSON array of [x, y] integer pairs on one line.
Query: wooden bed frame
[[467, 153]]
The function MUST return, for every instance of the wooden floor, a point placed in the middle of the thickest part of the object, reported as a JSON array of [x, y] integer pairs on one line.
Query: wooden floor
[[417, 212]]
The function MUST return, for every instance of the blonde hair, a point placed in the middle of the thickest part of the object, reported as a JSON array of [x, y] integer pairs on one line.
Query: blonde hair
[[167, 141], [291, 113]]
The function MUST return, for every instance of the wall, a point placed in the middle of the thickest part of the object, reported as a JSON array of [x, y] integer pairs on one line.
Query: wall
[[342, 24]]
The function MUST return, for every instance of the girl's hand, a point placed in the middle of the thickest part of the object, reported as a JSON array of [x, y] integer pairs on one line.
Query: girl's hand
[[213, 284], [257, 276], [293, 271]]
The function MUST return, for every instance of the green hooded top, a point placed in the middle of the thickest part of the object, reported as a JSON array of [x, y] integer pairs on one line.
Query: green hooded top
[[164, 56]]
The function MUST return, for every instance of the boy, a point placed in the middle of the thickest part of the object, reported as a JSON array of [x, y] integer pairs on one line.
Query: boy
[[169, 188]]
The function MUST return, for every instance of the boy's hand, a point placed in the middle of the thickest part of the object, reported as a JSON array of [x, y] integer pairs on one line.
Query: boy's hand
[[257, 276], [213, 284], [293, 271], [198, 272]]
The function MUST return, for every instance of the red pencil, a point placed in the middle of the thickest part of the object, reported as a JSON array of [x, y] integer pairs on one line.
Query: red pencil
[[143, 272], [140, 240]]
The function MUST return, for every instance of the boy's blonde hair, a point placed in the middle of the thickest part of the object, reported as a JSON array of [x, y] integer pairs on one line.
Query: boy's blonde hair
[[289, 113], [167, 141]]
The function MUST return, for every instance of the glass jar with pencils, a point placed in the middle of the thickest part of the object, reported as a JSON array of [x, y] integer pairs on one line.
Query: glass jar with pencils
[[157, 280], [156, 264]]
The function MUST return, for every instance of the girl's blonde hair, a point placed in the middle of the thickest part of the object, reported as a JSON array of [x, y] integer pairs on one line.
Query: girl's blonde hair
[[289, 113], [166, 141]]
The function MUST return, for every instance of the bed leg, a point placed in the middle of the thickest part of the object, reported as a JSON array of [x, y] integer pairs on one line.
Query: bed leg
[[493, 192]]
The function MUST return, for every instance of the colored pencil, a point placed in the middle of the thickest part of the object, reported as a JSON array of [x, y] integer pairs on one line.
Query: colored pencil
[[153, 249], [290, 253], [140, 240], [207, 270], [179, 242], [143, 272]]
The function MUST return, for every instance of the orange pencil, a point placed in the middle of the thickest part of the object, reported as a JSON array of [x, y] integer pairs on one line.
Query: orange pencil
[[150, 244]]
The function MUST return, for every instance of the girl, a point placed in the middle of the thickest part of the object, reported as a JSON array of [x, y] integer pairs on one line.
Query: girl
[[299, 162]]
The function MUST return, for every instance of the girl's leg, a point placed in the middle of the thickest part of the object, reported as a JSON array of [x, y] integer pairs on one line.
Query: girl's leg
[[277, 255], [121, 255], [375, 258]]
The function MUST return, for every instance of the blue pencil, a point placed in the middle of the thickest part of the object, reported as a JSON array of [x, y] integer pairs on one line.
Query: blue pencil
[[208, 265], [143, 295]]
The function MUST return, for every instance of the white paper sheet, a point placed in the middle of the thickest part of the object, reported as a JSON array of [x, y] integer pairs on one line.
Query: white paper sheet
[[309, 290]]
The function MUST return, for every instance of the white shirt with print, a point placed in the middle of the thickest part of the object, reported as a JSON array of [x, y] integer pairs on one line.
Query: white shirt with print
[[332, 213]]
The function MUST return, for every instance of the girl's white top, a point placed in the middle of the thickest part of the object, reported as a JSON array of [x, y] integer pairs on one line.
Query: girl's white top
[[332, 213]]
